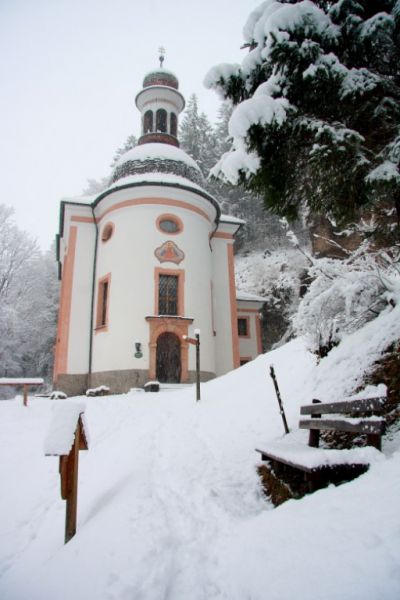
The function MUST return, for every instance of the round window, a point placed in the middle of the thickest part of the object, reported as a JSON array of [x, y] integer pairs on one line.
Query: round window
[[107, 232], [169, 224]]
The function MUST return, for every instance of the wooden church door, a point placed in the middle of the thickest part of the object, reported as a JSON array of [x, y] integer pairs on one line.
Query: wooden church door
[[168, 369]]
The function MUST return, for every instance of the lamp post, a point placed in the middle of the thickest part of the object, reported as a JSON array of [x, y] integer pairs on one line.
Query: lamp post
[[196, 342], [197, 336]]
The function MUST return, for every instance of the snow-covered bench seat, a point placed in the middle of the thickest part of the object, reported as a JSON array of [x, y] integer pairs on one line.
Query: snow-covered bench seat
[[25, 382], [320, 466]]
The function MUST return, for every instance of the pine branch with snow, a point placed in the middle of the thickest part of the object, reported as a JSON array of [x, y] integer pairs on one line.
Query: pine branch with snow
[[317, 107]]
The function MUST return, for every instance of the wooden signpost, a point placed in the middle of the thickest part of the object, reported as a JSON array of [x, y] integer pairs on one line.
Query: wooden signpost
[[196, 342], [67, 425]]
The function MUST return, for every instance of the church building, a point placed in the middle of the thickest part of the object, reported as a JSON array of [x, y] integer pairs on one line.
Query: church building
[[148, 262]]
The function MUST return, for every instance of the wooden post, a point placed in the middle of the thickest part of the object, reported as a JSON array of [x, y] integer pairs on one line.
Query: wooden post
[[278, 395], [25, 387], [313, 438], [67, 421], [374, 439], [72, 488]]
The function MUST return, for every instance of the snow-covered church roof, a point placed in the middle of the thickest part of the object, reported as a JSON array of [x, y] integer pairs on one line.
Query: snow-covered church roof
[[248, 297], [157, 158]]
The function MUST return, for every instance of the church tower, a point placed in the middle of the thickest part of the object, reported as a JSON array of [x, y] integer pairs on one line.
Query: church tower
[[160, 104], [145, 263]]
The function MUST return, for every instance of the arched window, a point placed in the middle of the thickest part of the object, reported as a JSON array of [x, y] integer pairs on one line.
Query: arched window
[[161, 120], [174, 124], [148, 121]]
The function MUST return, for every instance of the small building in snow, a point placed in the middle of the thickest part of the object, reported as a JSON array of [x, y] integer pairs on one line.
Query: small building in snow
[[147, 261]]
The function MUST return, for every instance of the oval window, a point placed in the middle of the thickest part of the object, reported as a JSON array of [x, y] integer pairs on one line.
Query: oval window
[[107, 232], [169, 224]]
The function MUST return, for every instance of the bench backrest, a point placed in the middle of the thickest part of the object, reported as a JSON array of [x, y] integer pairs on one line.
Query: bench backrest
[[369, 424], [345, 407]]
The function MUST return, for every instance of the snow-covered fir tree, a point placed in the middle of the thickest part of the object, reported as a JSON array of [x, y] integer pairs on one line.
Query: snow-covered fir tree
[[130, 142], [197, 136], [317, 110]]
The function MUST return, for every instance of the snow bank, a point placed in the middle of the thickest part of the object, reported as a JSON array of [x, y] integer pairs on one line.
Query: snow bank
[[170, 504]]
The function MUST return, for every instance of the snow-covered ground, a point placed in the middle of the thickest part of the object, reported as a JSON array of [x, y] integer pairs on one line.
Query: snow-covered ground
[[170, 504]]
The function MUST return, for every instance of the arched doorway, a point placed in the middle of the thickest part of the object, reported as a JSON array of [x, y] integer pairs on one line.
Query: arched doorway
[[168, 358]]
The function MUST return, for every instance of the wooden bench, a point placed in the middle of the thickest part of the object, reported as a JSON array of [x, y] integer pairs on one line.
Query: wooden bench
[[318, 466], [25, 382]]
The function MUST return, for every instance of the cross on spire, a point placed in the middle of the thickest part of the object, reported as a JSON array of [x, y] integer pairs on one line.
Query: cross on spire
[[162, 55]]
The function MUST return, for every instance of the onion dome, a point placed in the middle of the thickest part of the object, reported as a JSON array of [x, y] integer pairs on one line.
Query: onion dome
[[161, 77]]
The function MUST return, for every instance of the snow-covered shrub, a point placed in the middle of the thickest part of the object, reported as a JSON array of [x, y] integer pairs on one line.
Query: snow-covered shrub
[[277, 277], [102, 390], [345, 294], [57, 395]]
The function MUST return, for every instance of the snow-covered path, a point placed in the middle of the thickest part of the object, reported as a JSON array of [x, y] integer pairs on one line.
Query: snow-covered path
[[156, 503], [170, 505]]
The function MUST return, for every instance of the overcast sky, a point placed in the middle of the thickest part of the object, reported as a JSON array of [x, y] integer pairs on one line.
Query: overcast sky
[[69, 73]]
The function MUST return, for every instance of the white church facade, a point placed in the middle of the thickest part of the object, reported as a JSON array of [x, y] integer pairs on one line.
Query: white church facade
[[147, 262]]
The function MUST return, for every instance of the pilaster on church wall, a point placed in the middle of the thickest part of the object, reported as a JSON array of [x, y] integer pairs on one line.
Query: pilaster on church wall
[[222, 250], [78, 319]]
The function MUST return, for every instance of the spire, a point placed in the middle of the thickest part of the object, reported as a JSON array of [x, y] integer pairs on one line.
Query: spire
[[162, 56]]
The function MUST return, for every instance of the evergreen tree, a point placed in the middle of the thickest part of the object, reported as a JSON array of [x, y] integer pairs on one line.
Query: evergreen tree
[[317, 111], [197, 137], [262, 229], [130, 142]]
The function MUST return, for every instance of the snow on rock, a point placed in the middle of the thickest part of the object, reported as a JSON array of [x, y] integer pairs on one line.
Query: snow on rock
[[370, 391], [354, 356], [98, 391], [58, 395], [61, 432]]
